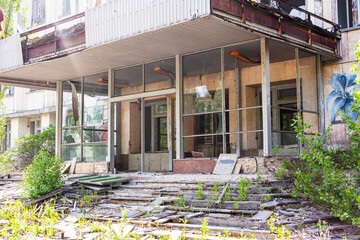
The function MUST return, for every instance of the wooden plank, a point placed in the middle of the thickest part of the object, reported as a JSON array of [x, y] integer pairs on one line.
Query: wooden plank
[[237, 168], [44, 197], [73, 164], [66, 167], [222, 193], [179, 109]]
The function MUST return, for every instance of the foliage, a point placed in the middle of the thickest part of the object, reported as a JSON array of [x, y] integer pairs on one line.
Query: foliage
[[200, 193], [28, 222], [44, 173], [281, 233], [25, 148], [10, 7], [330, 176]]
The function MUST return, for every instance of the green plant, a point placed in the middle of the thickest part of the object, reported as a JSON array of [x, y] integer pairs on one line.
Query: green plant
[[227, 195], [215, 191], [236, 203], [243, 186], [281, 233], [204, 229], [44, 174], [226, 234], [265, 198], [275, 151], [200, 193]]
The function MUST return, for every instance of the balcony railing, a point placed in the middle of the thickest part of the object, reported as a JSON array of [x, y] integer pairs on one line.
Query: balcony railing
[[54, 40]]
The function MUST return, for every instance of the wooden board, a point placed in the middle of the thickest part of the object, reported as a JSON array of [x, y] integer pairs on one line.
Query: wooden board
[[237, 168], [73, 164], [262, 215], [66, 167], [225, 164]]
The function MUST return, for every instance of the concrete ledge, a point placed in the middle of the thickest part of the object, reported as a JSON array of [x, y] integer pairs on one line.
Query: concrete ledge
[[91, 167], [194, 165]]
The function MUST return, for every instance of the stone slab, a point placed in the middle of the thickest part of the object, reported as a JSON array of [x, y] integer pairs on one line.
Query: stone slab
[[262, 215], [225, 164]]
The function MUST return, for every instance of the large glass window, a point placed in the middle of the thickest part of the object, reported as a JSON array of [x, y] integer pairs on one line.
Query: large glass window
[[160, 75], [85, 118], [203, 121]]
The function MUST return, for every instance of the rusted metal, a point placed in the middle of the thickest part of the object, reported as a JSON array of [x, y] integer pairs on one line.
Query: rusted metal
[[56, 43], [283, 23]]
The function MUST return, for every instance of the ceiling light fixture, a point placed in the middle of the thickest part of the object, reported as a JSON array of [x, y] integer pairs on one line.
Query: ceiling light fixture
[[243, 58]]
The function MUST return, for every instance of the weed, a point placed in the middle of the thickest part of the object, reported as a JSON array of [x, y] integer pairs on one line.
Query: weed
[[226, 234], [243, 185], [215, 191], [265, 198], [204, 229], [236, 203], [200, 193], [227, 196], [281, 233]]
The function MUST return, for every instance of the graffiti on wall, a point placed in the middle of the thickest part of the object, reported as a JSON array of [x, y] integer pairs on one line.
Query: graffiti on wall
[[344, 85]]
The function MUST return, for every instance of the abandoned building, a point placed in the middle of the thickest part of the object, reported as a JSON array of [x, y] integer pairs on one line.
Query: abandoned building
[[169, 85]]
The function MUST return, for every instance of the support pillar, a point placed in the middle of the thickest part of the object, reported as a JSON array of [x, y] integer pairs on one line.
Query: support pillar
[[320, 89], [111, 117], [298, 90], [58, 122], [266, 96], [223, 98], [238, 113], [179, 109], [142, 159], [170, 130]]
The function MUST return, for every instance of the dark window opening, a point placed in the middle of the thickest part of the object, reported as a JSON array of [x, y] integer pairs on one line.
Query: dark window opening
[[345, 13], [162, 134]]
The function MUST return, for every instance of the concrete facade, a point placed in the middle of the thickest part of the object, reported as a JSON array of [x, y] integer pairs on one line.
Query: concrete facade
[[232, 92]]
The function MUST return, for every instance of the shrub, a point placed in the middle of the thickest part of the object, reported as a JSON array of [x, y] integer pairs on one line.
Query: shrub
[[24, 149], [44, 173]]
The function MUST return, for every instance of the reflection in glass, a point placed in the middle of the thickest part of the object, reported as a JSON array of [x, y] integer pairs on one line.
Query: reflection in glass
[[202, 82], [128, 81], [70, 152], [207, 146], [160, 75], [95, 152], [71, 135], [71, 103], [95, 101], [95, 136]]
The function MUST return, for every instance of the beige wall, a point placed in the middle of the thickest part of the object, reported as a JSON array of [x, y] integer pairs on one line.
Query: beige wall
[[349, 39]]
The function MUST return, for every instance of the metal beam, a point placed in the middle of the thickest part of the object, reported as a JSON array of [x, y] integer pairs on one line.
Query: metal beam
[[179, 109], [136, 96], [170, 130], [111, 74], [266, 96], [320, 89]]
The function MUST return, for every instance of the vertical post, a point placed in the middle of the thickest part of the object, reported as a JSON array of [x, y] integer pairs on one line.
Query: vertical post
[[320, 89], [266, 101], [142, 164], [223, 98], [82, 120], [58, 117], [111, 117], [153, 128], [179, 109], [170, 130], [298, 89], [238, 113]]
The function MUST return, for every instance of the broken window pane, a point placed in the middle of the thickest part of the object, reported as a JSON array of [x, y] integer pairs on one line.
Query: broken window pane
[[71, 113]]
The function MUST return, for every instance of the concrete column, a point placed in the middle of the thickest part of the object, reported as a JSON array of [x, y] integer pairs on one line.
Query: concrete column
[[111, 74], [19, 128], [266, 96], [321, 98], [179, 109], [58, 119]]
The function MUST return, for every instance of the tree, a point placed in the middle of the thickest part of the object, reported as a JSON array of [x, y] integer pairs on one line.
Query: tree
[[10, 7]]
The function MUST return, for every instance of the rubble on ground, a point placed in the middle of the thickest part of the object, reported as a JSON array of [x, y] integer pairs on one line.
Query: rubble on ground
[[176, 205]]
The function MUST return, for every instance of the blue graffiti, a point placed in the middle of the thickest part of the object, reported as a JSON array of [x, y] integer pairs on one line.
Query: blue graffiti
[[344, 86]]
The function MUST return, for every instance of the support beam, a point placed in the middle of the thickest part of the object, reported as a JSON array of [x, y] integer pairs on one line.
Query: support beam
[[238, 113], [142, 159], [266, 96], [58, 117], [179, 109], [298, 89], [321, 99], [223, 98], [111, 74], [170, 130]]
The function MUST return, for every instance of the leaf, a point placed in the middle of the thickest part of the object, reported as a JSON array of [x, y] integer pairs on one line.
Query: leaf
[[333, 94], [338, 103]]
